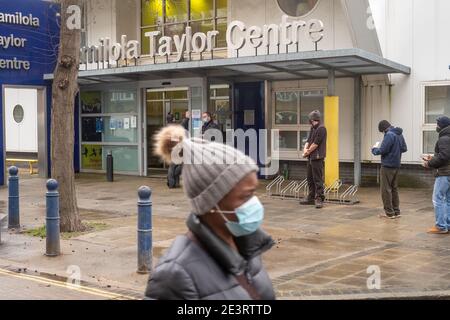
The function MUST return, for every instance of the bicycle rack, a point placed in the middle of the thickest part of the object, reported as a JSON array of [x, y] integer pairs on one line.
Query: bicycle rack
[[349, 196], [296, 190], [277, 183], [332, 192]]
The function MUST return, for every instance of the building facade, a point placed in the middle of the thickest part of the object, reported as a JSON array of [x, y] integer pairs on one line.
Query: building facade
[[263, 64], [29, 37]]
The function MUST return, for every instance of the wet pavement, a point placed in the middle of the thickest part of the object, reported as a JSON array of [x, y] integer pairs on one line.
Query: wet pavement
[[339, 252]]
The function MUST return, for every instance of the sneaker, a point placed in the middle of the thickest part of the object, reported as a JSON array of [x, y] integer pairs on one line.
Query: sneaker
[[398, 215], [387, 216], [436, 230], [319, 204], [307, 202]]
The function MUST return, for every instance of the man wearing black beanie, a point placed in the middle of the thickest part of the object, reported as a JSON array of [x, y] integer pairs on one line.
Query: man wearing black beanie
[[391, 150], [441, 162]]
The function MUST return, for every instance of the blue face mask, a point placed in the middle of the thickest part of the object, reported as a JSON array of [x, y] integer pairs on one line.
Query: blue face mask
[[250, 216]]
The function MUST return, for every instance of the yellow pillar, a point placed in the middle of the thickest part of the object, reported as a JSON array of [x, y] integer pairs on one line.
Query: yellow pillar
[[331, 116]]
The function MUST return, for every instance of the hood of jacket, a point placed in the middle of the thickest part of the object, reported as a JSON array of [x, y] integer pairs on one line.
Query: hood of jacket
[[445, 132], [235, 262], [397, 131]]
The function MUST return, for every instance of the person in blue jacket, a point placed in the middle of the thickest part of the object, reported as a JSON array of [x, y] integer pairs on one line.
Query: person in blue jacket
[[390, 150]]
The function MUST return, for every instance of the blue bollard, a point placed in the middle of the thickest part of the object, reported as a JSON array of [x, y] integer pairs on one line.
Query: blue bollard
[[145, 247], [13, 199], [52, 219]]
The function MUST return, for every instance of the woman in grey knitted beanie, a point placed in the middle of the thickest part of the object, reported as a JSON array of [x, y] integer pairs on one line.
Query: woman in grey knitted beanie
[[220, 256]]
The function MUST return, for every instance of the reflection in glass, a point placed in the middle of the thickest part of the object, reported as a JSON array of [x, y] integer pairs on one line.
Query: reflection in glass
[[429, 141], [125, 158], [309, 102], [437, 102], [91, 102], [118, 129], [287, 141], [202, 26], [202, 9], [176, 11], [286, 107], [221, 8], [121, 101], [297, 8], [221, 41], [89, 129], [173, 29], [151, 12]]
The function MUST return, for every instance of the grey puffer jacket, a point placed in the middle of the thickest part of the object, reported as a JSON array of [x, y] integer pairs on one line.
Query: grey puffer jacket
[[441, 159], [204, 267]]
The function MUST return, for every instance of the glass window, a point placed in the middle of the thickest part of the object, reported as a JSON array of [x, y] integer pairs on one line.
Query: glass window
[[286, 108], [155, 113], [118, 129], [91, 157], [90, 129], [155, 95], [202, 9], [173, 29], [437, 103], [109, 117], [288, 141], [91, 102], [221, 8], [297, 8], [429, 141], [125, 158], [221, 39], [151, 12], [18, 113], [310, 101], [179, 94], [202, 26], [171, 17], [303, 138], [121, 101], [176, 11], [291, 117]]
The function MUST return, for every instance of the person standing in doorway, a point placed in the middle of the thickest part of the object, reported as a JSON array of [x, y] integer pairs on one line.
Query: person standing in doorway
[[208, 122], [315, 151], [390, 150], [169, 117], [186, 120], [441, 162]]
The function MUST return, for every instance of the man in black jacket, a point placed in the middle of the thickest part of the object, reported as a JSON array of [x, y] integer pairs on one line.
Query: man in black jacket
[[315, 150], [441, 162]]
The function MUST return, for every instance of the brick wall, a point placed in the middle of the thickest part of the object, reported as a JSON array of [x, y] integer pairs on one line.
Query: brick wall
[[412, 176]]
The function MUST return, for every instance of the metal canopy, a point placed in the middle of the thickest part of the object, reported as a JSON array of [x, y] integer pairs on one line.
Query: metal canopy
[[285, 66]]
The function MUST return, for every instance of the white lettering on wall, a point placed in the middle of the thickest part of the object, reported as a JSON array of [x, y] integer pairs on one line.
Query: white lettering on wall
[[237, 36]]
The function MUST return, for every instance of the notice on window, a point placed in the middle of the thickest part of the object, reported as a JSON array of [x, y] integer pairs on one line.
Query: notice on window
[[91, 157], [133, 122], [126, 123], [112, 124], [249, 117]]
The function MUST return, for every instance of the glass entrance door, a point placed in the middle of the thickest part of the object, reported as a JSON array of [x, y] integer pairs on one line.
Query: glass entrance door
[[163, 106]]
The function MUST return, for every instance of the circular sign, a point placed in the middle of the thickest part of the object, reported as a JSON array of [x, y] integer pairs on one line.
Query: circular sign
[[18, 113], [297, 8]]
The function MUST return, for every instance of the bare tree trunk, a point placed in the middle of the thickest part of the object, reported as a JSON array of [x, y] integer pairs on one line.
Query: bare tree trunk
[[65, 88]]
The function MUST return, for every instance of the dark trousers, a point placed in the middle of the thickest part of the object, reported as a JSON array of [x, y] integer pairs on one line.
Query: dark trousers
[[389, 191], [316, 169]]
